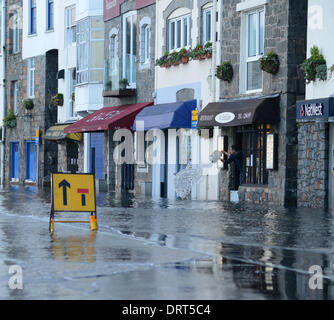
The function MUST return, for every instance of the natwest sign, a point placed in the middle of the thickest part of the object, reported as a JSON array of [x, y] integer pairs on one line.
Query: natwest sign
[[111, 8], [315, 109]]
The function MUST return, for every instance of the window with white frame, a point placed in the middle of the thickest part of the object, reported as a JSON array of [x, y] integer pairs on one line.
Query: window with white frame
[[71, 79], [70, 26], [32, 17], [31, 78], [179, 33], [14, 96], [16, 33], [130, 48], [90, 50], [145, 43], [206, 24], [254, 49], [50, 15]]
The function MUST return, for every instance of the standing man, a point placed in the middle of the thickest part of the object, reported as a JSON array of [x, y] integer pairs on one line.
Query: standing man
[[236, 157]]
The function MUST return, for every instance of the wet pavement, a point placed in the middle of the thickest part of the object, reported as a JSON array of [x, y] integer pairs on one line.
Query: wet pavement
[[146, 249]]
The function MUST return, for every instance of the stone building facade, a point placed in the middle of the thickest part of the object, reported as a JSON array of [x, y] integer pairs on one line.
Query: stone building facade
[[285, 26], [29, 162], [144, 13]]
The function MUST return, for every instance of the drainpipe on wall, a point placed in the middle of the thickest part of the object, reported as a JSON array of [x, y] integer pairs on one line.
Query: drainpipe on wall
[[214, 52], [4, 54]]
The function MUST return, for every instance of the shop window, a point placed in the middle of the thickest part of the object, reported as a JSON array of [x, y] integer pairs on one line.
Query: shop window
[[252, 141]]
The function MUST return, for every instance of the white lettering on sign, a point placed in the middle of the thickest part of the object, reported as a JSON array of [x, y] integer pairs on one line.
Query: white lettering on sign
[[105, 115], [243, 116], [225, 117], [312, 110]]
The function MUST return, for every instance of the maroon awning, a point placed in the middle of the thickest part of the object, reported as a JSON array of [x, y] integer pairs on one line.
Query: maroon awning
[[108, 118]]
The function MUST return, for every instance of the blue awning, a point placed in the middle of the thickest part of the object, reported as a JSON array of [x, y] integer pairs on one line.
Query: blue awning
[[164, 116]]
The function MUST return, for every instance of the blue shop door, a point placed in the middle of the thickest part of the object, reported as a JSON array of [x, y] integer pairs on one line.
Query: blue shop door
[[31, 161], [14, 160], [96, 154]]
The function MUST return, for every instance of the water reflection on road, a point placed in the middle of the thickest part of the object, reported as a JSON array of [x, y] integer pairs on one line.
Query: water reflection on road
[[160, 249]]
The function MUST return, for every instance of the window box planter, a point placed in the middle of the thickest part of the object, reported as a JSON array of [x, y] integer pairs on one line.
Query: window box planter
[[123, 84], [120, 93]]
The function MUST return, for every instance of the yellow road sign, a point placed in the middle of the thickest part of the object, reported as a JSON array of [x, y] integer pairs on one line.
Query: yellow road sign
[[73, 192], [194, 115]]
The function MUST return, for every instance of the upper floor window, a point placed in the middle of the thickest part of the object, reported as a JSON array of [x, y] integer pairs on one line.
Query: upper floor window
[[179, 33], [254, 49], [32, 17], [31, 78], [146, 44], [206, 25], [16, 33], [14, 96], [130, 47], [90, 50], [70, 26], [50, 15]]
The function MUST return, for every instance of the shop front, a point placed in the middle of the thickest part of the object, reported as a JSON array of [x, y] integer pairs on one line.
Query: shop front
[[68, 147], [250, 126], [101, 127], [315, 120], [173, 148]]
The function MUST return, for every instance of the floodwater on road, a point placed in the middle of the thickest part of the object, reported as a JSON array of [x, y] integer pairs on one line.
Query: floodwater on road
[[160, 249]]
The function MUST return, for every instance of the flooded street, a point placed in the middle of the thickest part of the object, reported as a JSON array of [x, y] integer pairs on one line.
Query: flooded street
[[147, 249]]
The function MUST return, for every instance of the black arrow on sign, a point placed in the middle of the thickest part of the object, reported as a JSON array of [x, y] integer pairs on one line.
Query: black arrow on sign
[[64, 184]]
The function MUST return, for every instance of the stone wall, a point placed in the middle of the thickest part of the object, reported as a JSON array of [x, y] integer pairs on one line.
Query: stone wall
[[144, 86], [285, 34], [313, 148]]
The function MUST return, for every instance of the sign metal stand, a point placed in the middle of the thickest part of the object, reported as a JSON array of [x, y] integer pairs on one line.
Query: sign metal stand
[[73, 193]]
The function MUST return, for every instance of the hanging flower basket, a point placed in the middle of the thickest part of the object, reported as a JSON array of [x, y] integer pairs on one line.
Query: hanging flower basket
[[58, 100], [270, 63], [28, 104], [225, 71], [10, 120], [315, 67]]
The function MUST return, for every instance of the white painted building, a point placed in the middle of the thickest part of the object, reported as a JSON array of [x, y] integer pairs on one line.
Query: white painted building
[[185, 26]]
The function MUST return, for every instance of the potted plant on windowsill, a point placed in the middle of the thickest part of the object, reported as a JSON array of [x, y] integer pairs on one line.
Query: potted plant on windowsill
[[198, 53], [184, 55], [175, 58], [270, 63], [208, 49], [28, 104], [164, 61], [58, 100], [225, 71], [10, 120], [123, 84], [315, 67]]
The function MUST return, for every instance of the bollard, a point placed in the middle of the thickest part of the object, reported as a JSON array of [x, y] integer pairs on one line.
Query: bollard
[[93, 223]]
